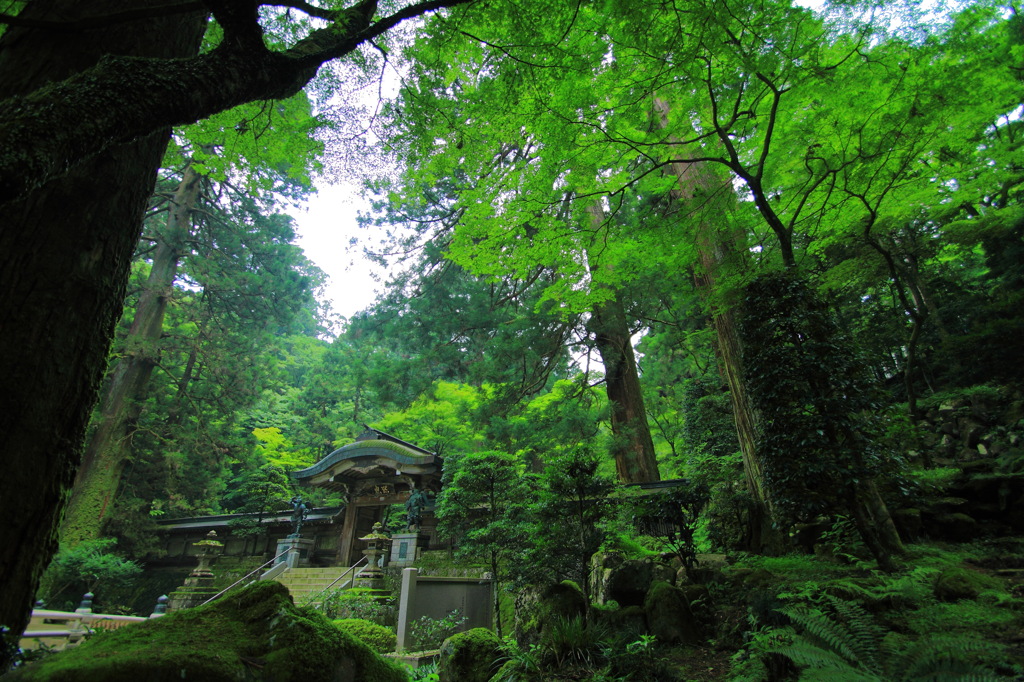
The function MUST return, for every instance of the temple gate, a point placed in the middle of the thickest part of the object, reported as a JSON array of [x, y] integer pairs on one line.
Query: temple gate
[[375, 472]]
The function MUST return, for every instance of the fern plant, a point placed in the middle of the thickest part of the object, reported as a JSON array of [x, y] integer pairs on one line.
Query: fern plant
[[900, 591], [846, 645]]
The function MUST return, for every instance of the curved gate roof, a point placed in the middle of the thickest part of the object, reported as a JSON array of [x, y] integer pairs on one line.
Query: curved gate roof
[[373, 455]]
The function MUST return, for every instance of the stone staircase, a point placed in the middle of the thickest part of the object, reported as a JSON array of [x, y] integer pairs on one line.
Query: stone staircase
[[307, 583]]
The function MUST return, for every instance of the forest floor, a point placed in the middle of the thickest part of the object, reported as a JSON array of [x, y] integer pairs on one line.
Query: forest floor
[[701, 664], [949, 603]]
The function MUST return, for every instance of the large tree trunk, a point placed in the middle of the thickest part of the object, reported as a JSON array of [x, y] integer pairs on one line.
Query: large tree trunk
[[710, 199], [67, 248], [109, 446], [632, 445]]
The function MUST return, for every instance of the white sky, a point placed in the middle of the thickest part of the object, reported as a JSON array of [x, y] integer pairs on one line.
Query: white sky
[[326, 230]]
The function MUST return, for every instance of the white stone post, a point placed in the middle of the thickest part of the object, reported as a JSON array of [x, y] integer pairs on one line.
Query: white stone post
[[405, 601]]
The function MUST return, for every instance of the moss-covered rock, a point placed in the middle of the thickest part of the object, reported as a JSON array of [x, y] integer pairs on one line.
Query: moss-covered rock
[[669, 617], [562, 600], [255, 634], [957, 582], [470, 656], [628, 583], [631, 619], [379, 638]]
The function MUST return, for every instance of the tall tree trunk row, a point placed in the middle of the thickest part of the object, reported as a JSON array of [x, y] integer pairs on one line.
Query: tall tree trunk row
[[710, 198], [109, 447], [632, 445]]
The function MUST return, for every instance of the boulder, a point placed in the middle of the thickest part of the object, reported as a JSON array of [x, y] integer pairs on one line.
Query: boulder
[[471, 656], [629, 619], [908, 523], [708, 570], [561, 600], [669, 617], [957, 527], [664, 573], [627, 583], [957, 582], [602, 566], [254, 634]]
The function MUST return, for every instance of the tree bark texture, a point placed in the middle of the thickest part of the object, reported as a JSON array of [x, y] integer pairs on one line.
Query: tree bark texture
[[67, 250], [710, 199], [632, 445], [125, 386], [875, 525]]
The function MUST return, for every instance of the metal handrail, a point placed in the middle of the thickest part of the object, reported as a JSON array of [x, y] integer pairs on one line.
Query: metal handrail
[[351, 569], [247, 575]]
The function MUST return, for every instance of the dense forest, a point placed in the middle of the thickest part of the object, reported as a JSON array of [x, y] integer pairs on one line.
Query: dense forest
[[773, 250]]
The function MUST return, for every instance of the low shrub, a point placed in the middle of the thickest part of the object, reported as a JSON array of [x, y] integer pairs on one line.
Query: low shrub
[[377, 637]]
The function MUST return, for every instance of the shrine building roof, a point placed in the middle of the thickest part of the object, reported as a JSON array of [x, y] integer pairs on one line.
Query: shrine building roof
[[372, 455]]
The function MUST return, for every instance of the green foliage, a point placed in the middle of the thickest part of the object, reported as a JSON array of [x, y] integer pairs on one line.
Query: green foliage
[[233, 289], [359, 603], [426, 673], [426, 634], [572, 648], [571, 513], [258, 491], [279, 451], [484, 506], [672, 515], [845, 643], [377, 637], [633, 546], [573, 642], [909, 590], [815, 441], [89, 566]]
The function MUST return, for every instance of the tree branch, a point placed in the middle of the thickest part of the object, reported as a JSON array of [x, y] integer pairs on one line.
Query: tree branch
[[102, 21], [47, 132]]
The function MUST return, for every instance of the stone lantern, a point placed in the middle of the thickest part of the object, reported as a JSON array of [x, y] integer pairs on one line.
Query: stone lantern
[[377, 547], [198, 585]]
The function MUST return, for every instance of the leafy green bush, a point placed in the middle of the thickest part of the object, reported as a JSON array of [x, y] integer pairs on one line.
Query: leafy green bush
[[359, 603], [90, 566], [571, 648], [637, 660], [427, 633], [426, 673], [377, 637]]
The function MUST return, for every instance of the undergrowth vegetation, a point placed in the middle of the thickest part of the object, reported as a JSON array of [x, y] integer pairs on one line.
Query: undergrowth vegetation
[[940, 617]]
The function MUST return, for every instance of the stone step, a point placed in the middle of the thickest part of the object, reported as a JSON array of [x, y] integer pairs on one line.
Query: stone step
[[309, 584]]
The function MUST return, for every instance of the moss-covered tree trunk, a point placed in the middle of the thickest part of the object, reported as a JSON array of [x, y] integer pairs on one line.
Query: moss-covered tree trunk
[[817, 440], [68, 246], [710, 198], [632, 445], [121, 400]]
